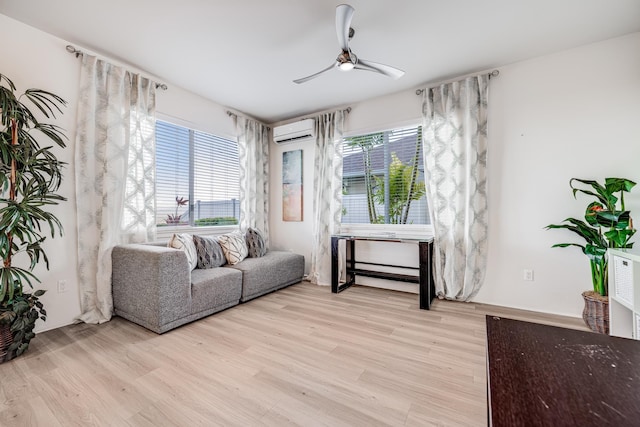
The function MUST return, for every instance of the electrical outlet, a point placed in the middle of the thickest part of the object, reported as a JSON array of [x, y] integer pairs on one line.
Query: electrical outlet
[[527, 275], [62, 286]]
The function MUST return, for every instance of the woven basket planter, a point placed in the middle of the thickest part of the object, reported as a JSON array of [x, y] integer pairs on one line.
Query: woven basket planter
[[6, 339], [596, 312]]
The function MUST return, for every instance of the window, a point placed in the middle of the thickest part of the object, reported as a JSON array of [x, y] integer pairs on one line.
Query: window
[[383, 178], [197, 178]]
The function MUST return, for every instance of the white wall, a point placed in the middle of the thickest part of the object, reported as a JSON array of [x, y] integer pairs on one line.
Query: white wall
[[291, 235], [32, 58], [570, 114]]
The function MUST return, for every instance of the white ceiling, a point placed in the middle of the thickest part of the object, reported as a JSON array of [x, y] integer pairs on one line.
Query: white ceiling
[[244, 54]]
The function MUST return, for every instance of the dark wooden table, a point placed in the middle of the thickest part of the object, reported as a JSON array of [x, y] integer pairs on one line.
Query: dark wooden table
[[540, 375]]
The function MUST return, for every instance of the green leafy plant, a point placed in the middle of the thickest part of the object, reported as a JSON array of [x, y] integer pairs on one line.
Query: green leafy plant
[[21, 314], [606, 225], [30, 176]]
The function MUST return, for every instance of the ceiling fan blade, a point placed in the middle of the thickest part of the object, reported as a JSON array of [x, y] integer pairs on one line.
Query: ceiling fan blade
[[387, 70], [313, 76], [344, 14]]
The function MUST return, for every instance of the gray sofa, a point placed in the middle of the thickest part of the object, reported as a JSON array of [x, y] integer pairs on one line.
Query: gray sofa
[[153, 287]]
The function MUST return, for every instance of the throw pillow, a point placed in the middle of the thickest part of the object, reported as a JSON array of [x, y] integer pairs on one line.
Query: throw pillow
[[234, 247], [255, 243], [210, 253], [184, 242]]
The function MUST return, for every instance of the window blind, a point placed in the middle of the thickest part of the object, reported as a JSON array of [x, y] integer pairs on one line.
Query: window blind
[[197, 178], [216, 180], [383, 178], [172, 173]]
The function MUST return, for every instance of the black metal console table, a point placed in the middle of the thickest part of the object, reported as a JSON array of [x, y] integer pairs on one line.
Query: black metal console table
[[424, 277]]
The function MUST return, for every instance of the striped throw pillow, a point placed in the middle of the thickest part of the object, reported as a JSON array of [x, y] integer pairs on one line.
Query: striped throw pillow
[[210, 253], [255, 243]]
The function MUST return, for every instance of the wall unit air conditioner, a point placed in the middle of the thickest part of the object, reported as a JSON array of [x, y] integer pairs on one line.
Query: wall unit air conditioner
[[296, 131]]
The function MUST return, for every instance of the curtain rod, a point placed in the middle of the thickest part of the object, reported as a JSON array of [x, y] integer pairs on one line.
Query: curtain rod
[[346, 110], [78, 52], [493, 73], [232, 114]]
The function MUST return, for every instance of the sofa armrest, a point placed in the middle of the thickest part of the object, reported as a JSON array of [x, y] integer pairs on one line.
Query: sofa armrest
[[151, 284]]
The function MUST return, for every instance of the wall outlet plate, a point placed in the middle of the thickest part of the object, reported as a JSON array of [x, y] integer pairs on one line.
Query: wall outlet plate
[[527, 275]]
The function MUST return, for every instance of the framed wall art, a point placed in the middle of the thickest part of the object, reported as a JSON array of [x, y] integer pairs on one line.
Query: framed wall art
[[292, 186]]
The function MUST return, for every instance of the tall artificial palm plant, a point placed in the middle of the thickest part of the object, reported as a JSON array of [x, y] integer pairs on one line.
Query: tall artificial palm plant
[[30, 177]]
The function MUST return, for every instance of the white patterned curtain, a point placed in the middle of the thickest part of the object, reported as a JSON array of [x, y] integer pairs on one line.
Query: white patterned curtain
[[327, 194], [115, 175], [455, 160], [253, 152]]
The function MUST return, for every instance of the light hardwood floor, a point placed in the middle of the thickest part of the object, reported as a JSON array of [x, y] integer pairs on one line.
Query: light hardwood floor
[[299, 356]]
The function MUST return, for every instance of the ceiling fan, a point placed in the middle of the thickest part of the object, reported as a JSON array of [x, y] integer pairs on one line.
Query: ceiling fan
[[347, 60]]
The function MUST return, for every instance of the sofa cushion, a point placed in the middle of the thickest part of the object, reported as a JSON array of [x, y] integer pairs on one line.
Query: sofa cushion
[[214, 287], [184, 242], [234, 247], [273, 271], [255, 243], [210, 253]]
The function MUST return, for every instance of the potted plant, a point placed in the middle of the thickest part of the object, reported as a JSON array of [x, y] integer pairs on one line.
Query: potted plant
[[30, 176], [607, 224], [175, 218]]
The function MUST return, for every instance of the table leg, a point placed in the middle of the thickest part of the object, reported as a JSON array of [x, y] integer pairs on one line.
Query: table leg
[[426, 286]]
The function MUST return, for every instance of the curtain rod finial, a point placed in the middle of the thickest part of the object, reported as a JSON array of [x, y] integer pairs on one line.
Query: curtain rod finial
[[72, 49]]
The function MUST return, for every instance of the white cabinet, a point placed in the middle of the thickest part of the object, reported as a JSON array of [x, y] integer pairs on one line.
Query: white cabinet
[[624, 293]]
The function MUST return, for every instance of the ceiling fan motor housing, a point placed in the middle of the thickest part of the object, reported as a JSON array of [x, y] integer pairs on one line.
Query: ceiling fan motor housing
[[347, 60]]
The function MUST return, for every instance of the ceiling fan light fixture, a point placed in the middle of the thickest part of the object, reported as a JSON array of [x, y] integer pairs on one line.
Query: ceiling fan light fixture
[[346, 66], [347, 60]]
